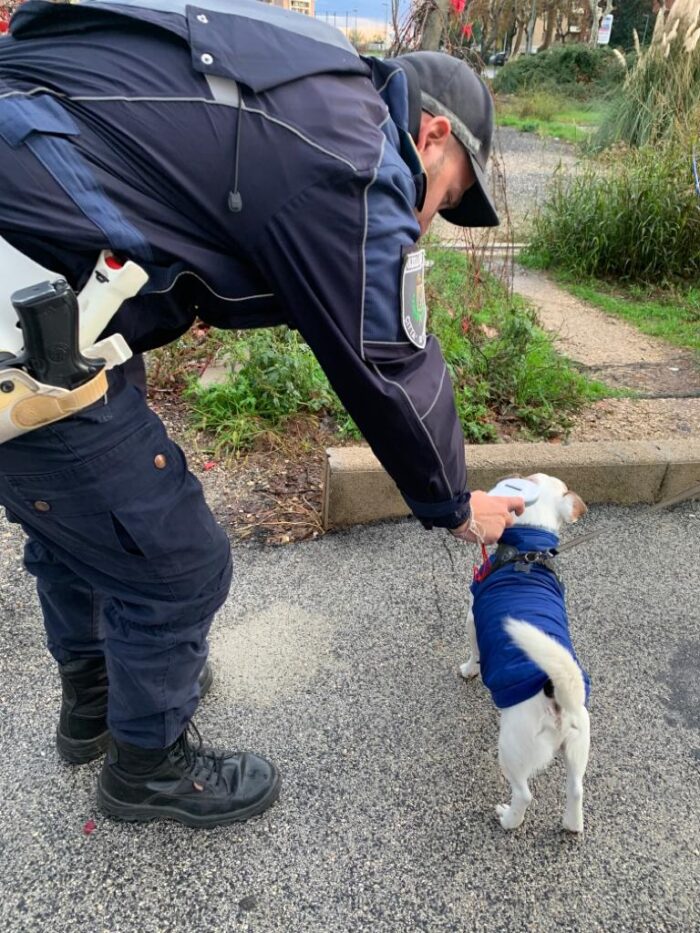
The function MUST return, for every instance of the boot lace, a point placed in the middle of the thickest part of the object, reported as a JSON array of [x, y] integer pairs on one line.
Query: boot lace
[[204, 765]]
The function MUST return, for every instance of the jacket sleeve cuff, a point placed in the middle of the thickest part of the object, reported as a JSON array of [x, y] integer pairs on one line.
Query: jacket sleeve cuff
[[450, 513]]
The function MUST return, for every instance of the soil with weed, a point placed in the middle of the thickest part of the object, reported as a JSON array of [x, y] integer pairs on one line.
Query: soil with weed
[[270, 495]]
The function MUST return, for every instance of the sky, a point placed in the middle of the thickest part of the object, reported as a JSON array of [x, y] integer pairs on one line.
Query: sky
[[371, 14]]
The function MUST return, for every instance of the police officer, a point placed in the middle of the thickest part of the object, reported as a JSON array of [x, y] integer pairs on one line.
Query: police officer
[[262, 173]]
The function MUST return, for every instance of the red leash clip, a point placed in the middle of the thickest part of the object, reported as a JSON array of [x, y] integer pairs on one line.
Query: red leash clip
[[480, 573]]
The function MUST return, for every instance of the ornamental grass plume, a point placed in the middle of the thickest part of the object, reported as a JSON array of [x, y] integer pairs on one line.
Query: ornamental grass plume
[[660, 98]]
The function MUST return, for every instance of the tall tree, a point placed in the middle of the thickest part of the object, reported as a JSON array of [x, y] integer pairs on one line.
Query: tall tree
[[629, 15], [435, 23]]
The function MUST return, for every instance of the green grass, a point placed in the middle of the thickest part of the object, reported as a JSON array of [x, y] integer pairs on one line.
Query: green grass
[[552, 116], [504, 369], [274, 378], [672, 314]]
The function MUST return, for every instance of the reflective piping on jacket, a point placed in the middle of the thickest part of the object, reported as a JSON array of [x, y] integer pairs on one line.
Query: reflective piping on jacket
[[420, 420], [164, 291], [364, 244], [34, 90], [396, 71], [293, 129], [389, 343], [437, 394], [187, 100], [114, 97]]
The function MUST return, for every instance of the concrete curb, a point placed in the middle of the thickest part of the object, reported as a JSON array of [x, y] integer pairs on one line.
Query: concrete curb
[[358, 490]]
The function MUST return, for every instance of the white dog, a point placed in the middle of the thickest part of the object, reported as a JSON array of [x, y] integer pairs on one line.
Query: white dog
[[518, 634]]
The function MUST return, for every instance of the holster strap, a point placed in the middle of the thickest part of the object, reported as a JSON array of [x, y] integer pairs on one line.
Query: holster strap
[[36, 410]]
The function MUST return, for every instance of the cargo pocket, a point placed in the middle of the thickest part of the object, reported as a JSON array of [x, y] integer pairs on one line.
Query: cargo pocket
[[173, 522], [75, 508]]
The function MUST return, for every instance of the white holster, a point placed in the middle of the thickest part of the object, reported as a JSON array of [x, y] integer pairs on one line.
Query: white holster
[[26, 403]]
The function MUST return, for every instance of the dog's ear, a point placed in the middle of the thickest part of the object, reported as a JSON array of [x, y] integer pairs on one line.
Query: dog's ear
[[573, 507]]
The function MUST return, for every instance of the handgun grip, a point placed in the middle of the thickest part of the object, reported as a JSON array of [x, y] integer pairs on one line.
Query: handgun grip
[[49, 318]]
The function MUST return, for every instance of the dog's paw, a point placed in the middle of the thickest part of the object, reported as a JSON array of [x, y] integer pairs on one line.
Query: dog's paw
[[470, 669], [573, 824], [507, 818]]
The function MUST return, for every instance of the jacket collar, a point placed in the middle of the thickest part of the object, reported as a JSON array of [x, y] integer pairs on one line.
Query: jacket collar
[[399, 89], [528, 538]]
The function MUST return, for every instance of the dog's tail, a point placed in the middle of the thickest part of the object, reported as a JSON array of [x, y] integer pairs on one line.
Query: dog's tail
[[555, 661]]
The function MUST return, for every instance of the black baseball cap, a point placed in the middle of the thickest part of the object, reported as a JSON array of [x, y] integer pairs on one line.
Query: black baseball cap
[[450, 88]]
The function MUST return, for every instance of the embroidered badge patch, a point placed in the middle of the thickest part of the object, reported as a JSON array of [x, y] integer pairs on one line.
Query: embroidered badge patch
[[414, 311]]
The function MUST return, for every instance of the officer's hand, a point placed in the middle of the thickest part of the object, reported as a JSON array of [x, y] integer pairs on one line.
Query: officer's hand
[[491, 515]]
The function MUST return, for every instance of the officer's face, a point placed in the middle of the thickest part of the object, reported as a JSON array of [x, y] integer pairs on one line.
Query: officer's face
[[447, 168]]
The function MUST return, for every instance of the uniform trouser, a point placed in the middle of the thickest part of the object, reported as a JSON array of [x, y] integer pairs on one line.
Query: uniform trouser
[[129, 561]]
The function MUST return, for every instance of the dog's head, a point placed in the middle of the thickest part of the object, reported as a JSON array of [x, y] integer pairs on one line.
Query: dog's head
[[556, 505]]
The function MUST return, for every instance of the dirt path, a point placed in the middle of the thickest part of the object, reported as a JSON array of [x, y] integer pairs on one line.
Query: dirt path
[[608, 348], [619, 355]]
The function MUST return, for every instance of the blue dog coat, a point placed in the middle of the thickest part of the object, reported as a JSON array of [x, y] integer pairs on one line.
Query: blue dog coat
[[529, 593]]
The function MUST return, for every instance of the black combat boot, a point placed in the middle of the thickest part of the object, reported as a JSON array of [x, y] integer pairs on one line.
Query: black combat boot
[[82, 726], [82, 733], [186, 782]]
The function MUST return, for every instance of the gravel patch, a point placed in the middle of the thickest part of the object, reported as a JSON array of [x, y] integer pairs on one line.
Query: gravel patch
[[530, 162], [630, 419]]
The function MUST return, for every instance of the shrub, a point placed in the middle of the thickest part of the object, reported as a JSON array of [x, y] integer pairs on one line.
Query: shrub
[[635, 218], [574, 70], [502, 365]]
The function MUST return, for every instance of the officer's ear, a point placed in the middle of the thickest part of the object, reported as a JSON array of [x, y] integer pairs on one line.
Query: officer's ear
[[433, 136]]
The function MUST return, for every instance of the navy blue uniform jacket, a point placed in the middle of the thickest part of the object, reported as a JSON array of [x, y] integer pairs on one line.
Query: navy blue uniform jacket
[[262, 173]]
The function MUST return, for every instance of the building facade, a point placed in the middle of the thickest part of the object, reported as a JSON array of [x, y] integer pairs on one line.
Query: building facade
[[307, 7]]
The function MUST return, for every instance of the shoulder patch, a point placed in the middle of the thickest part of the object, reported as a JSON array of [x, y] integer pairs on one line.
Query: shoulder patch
[[414, 311]]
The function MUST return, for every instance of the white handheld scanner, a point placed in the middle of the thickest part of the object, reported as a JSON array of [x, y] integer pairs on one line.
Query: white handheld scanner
[[516, 486], [109, 286]]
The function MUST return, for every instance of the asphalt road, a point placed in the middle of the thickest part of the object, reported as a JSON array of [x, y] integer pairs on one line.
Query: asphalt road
[[339, 659]]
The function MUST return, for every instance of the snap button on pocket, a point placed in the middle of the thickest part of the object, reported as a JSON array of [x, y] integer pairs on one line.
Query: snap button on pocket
[[42, 506], [160, 461]]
